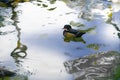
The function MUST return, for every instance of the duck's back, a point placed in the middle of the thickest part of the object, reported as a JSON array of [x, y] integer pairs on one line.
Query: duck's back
[[73, 31], [76, 32]]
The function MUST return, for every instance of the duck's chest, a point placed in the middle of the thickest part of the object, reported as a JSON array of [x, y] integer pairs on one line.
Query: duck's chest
[[68, 34]]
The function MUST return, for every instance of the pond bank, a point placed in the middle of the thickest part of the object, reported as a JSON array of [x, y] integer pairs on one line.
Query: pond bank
[[99, 66]]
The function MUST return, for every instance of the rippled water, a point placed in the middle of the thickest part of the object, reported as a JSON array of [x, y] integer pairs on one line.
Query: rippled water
[[39, 36]]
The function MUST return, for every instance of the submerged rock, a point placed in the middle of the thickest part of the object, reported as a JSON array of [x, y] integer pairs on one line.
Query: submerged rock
[[99, 66]]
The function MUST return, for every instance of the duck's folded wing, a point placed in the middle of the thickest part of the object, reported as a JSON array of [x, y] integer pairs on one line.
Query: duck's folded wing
[[79, 34]]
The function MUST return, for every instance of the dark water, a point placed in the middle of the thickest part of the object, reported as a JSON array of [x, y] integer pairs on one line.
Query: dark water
[[38, 38]]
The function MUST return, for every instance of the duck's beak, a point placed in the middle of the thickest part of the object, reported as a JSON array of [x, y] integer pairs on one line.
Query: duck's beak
[[64, 28]]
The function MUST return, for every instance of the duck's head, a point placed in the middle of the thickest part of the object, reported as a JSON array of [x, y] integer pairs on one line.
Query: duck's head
[[67, 27]]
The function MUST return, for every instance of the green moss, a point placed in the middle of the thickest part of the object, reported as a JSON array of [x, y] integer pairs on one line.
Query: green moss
[[92, 56], [3, 4], [93, 46], [44, 5], [1, 21], [1, 24], [117, 73], [118, 35], [52, 1], [88, 30], [50, 9], [77, 24], [17, 77], [39, 0], [95, 63]]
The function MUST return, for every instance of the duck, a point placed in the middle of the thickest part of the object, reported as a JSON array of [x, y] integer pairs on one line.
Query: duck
[[69, 32]]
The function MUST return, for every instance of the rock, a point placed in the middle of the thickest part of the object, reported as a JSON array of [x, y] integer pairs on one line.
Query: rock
[[5, 72], [1, 18], [6, 1], [115, 1], [99, 66]]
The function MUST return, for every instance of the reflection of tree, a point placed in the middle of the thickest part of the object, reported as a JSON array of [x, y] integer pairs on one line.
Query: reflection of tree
[[111, 21], [20, 50], [117, 28], [115, 25]]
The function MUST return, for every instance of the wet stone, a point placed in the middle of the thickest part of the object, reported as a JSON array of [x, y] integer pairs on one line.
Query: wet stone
[[6, 1], [6, 72], [1, 18], [99, 66]]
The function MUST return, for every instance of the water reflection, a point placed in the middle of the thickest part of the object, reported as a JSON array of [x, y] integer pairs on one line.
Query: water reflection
[[6, 32], [48, 48], [20, 48], [85, 7], [114, 20], [20, 52]]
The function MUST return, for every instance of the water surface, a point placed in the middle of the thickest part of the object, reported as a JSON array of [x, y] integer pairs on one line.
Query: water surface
[[39, 37]]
